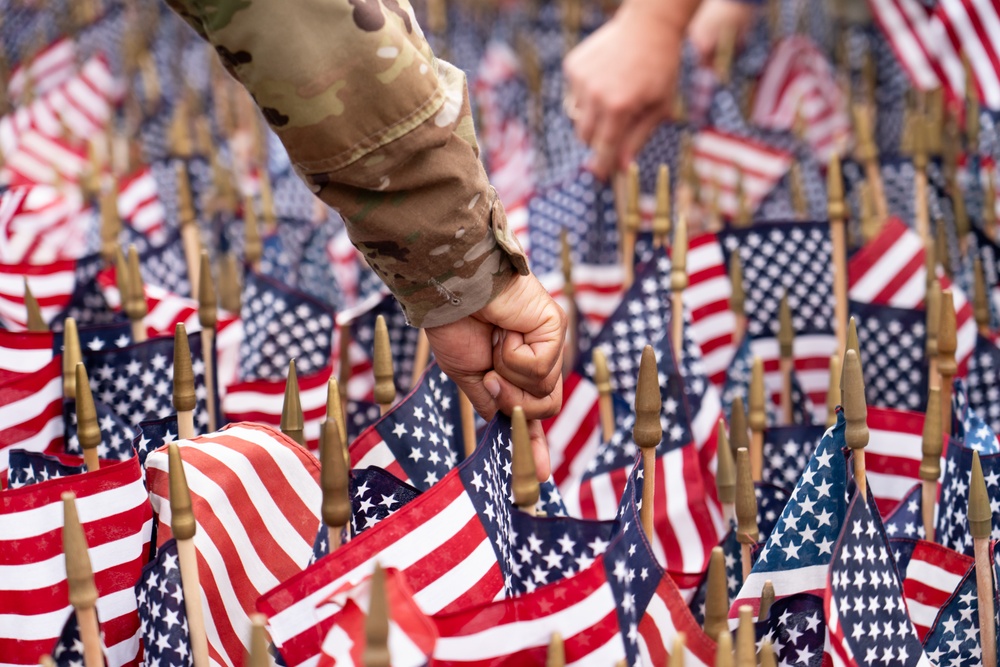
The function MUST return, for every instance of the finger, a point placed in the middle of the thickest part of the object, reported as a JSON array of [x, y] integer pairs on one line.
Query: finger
[[511, 396], [478, 394], [637, 135], [535, 368], [607, 140], [540, 449], [587, 116]]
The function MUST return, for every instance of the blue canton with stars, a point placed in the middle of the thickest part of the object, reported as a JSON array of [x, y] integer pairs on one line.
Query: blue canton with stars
[[866, 594], [281, 324], [738, 377], [116, 435], [906, 519], [97, 337], [787, 450], [984, 381], [952, 528], [781, 258], [892, 342], [28, 468], [375, 495], [162, 616], [68, 651], [153, 434], [531, 551], [810, 523], [402, 338], [796, 628], [137, 381], [954, 638]]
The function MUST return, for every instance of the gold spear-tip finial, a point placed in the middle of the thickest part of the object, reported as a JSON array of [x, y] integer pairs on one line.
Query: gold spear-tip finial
[[757, 414], [746, 501], [836, 208], [767, 657], [184, 393], [79, 573], [524, 482], [253, 247], [855, 406], [72, 355], [677, 651], [786, 332], [385, 386], [678, 258], [229, 280], [632, 215], [947, 336], [648, 431], [135, 306], [931, 441], [208, 300], [737, 299], [980, 296], [292, 418], [746, 639], [739, 437], [376, 653], [334, 477], [259, 655], [716, 595], [766, 599], [182, 522], [724, 649], [980, 513], [34, 312], [933, 318], [661, 215], [556, 656], [88, 431], [566, 263], [185, 201], [725, 475]]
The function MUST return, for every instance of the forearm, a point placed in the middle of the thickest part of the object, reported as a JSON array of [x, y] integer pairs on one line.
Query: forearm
[[675, 14], [381, 131]]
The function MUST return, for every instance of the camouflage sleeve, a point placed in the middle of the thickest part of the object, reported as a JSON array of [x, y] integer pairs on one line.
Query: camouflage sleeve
[[380, 130]]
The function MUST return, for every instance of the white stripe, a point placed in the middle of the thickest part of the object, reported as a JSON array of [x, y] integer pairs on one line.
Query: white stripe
[[579, 403], [441, 592], [886, 267], [933, 576], [37, 442], [678, 516], [604, 496], [16, 360]]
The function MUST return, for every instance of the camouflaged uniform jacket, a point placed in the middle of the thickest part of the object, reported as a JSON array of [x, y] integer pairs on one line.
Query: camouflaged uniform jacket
[[381, 131]]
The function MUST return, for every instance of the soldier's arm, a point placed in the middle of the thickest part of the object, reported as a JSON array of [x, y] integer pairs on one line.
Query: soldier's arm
[[381, 131]]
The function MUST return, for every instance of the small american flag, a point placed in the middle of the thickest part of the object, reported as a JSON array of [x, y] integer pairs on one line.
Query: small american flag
[[33, 467], [720, 159], [40, 224], [905, 521], [983, 381], [162, 614], [787, 451], [402, 344], [46, 70], [796, 629], [954, 639], [52, 284], [851, 610], [31, 416], [256, 500], [952, 529], [114, 508], [892, 342], [931, 573], [23, 353], [139, 205]]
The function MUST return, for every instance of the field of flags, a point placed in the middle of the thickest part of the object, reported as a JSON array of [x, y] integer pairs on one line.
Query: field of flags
[[221, 443]]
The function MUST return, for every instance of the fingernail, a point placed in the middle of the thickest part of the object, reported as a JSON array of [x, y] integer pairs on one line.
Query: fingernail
[[496, 337], [492, 385]]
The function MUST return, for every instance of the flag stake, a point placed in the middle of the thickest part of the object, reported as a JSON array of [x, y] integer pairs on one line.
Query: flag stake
[[208, 317], [421, 355], [758, 419], [786, 343], [385, 385], [747, 532], [661, 215], [602, 379], [572, 312], [334, 476], [716, 595], [258, 656], [524, 481], [134, 301], [833, 390], [981, 526], [88, 432], [556, 656], [80, 580], [837, 212], [677, 653], [72, 355], [867, 153], [947, 343], [678, 283], [647, 432], [767, 657], [468, 416], [856, 414], [292, 418], [933, 324], [766, 599], [930, 464], [188, 220], [746, 639], [184, 527], [724, 649], [185, 399], [335, 411], [981, 299], [737, 299], [725, 475], [630, 222]]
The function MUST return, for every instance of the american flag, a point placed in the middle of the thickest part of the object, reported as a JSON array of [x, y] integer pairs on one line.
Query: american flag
[[46, 70], [954, 638], [983, 380], [459, 544], [893, 455], [989, 252], [97, 337], [797, 555], [892, 342], [852, 610], [418, 440], [23, 353], [281, 324], [796, 629], [116, 434], [930, 38], [136, 381], [51, 284], [261, 401], [890, 271], [787, 450], [162, 614], [738, 378], [720, 159], [952, 528], [905, 521], [40, 224], [598, 289], [930, 574], [68, 651], [402, 344], [256, 499], [32, 467], [798, 80], [153, 434], [139, 205], [793, 259], [31, 414], [116, 516]]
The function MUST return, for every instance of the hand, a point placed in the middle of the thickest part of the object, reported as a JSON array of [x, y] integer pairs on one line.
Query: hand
[[621, 81], [509, 354], [716, 18]]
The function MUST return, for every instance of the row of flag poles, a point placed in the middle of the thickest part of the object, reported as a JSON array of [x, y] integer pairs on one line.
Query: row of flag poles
[[220, 442]]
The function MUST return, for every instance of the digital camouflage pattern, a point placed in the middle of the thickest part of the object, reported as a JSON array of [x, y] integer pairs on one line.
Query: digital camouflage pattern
[[381, 130]]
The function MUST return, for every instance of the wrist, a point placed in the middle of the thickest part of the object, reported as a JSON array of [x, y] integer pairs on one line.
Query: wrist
[[669, 19]]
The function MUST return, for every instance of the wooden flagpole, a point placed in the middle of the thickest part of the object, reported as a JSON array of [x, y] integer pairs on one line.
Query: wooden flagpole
[[647, 432], [88, 432], [376, 653], [837, 212], [930, 464], [746, 639], [630, 222], [184, 527], [602, 379], [981, 299], [747, 532], [572, 312], [208, 317], [678, 283], [786, 344], [184, 393], [556, 655], [135, 303], [725, 475], [716, 595], [334, 482], [293, 421], [758, 419], [947, 367], [72, 355], [524, 481], [80, 580], [981, 526], [737, 298], [468, 416], [661, 216], [724, 649], [833, 391], [259, 655], [856, 414], [421, 356], [385, 384], [188, 220]]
